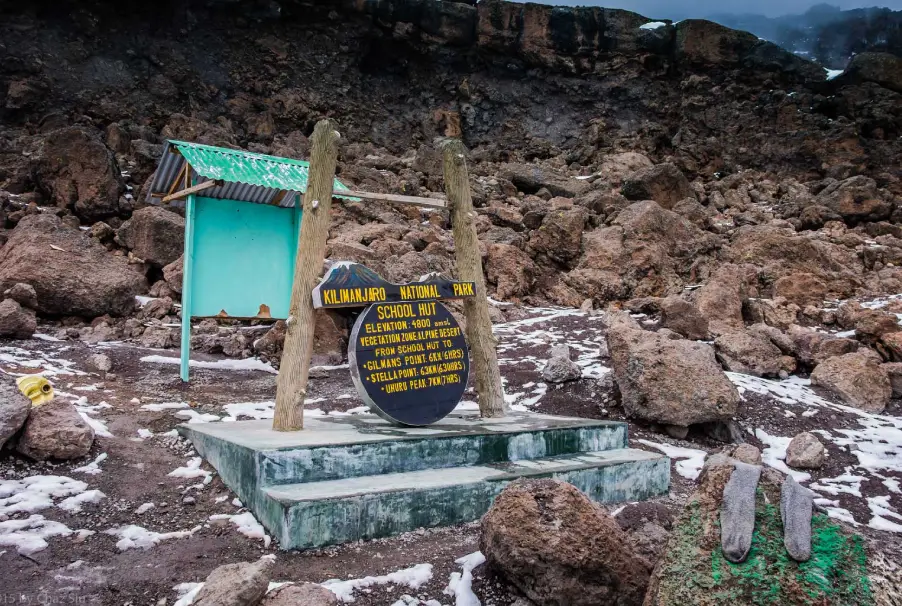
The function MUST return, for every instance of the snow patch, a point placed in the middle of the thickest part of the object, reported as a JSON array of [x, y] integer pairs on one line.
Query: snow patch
[[133, 537], [246, 524], [226, 364], [30, 535], [653, 25], [689, 460], [460, 584], [192, 470], [414, 577], [92, 468]]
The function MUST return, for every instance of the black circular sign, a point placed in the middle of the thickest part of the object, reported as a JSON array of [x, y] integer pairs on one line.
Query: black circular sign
[[409, 361]]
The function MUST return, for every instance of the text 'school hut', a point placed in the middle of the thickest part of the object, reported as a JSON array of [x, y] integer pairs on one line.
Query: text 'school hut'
[[242, 220]]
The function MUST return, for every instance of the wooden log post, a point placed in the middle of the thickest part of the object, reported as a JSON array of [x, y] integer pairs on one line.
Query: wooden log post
[[291, 384], [483, 343]]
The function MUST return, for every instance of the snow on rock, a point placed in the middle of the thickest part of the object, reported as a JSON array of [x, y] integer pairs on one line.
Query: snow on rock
[[246, 524], [35, 493], [164, 406], [414, 577], [133, 537], [192, 470], [689, 460], [460, 585], [92, 468], [30, 535], [653, 25], [225, 364], [832, 73], [253, 410], [74, 504], [144, 508]]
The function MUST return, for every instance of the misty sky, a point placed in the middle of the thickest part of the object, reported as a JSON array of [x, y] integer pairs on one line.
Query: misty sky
[[681, 9]]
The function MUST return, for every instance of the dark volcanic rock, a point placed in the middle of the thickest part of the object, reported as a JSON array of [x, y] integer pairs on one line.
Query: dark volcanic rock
[[664, 183], [78, 171]]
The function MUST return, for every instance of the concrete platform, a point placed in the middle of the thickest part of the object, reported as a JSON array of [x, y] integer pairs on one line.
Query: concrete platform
[[345, 478]]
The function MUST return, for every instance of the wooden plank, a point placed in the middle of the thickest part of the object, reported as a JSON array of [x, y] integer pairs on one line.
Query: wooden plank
[[187, 288], [191, 190], [291, 383], [483, 344], [415, 200], [178, 180]]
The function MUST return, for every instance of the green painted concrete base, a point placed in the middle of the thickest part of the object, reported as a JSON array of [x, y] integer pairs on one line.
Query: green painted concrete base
[[345, 478]]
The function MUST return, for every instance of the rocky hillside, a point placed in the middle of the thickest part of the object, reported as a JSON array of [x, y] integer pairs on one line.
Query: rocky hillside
[[611, 157]]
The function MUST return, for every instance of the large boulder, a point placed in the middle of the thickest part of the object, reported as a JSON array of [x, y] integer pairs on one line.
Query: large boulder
[[76, 170], [511, 270], [675, 382], [694, 571], [14, 409], [813, 347], [560, 234], [154, 234], [883, 68], [683, 317], [720, 299], [616, 167], [801, 288], [71, 273], [856, 199], [16, 321], [241, 584], [55, 430], [558, 547], [664, 183], [749, 352], [857, 379]]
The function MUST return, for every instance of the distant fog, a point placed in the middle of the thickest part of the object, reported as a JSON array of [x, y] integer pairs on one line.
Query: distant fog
[[670, 9]]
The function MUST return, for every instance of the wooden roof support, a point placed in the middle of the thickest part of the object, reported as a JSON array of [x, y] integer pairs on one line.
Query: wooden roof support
[[415, 200], [191, 190]]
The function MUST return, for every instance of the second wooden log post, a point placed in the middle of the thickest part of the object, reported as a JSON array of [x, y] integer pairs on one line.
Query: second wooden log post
[[483, 344], [291, 384]]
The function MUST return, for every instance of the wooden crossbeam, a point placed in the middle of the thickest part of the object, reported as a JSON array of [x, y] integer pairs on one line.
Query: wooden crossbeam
[[415, 200], [191, 190]]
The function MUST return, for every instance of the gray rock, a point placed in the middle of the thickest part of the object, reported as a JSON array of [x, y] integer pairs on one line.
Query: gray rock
[[302, 594], [241, 584], [55, 431], [796, 506], [805, 451], [14, 409], [100, 362], [737, 513], [23, 294], [560, 368], [674, 382], [154, 234], [16, 321], [747, 454]]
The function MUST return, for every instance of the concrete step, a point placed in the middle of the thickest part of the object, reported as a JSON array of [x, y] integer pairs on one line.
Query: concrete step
[[334, 448], [314, 514]]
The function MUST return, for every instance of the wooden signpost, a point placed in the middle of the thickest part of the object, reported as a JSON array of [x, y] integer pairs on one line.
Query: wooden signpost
[[428, 389]]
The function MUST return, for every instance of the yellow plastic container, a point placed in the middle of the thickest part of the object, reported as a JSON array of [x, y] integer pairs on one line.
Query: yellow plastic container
[[36, 388]]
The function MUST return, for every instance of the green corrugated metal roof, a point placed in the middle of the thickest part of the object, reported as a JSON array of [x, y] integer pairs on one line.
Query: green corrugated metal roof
[[238, 166]]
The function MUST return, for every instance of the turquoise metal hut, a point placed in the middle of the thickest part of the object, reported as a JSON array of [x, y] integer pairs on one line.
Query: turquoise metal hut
[[242, 220]]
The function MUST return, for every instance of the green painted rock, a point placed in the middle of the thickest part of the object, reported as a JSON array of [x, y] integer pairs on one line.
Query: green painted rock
[[694, 572]]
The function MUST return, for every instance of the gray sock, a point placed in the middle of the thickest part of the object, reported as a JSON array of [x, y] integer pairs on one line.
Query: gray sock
[[737, 513], [796, 507]]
